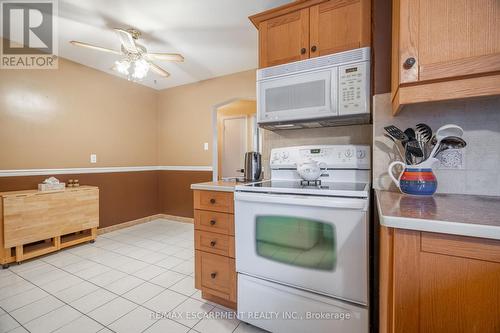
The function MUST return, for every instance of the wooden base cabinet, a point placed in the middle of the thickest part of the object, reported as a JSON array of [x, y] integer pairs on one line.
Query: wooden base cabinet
[[215, 269], [444, 49], [437, 283], [311, 28], [34, 223]]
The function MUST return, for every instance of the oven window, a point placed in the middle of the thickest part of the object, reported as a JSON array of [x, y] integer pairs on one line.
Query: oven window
[[296, 241]]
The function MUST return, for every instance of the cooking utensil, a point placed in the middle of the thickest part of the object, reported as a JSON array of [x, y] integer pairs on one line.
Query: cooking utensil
[[414, 149], [410, 133], [398, 146], [450, 142], [424, 131], [447, 130], [424, 135], [396, 133]]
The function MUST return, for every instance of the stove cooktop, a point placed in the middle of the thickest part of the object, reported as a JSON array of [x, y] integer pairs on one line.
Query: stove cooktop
[[347, 189]]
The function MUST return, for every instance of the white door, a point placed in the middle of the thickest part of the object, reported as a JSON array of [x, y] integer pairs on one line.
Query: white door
[[312, 243], [234, 146]]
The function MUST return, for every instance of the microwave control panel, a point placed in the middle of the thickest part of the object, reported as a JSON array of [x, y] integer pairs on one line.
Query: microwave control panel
[[354, 89]]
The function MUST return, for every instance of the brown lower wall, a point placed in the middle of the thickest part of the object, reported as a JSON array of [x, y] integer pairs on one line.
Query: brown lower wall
[[123, 196], [174, 188], [127, 196]]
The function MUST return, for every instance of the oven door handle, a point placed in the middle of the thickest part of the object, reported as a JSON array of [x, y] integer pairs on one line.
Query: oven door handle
[[303, 200]]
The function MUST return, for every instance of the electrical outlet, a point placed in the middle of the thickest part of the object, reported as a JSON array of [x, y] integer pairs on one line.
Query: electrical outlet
[[93, 158], [205, 146], [452, 159]]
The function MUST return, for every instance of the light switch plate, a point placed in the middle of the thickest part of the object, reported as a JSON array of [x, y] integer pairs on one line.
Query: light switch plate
[[93, 158], [205, 146]]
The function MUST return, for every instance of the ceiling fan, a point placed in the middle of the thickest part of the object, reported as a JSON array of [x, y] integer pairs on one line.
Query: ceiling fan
[[136, 61]]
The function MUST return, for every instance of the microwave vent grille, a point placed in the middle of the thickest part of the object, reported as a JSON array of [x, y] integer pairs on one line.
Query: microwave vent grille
[[357, 55]]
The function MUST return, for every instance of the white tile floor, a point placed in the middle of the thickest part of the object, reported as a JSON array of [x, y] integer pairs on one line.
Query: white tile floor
[[138, 279]]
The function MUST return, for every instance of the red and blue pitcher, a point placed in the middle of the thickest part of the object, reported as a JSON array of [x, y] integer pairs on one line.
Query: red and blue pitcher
[[415, 179]]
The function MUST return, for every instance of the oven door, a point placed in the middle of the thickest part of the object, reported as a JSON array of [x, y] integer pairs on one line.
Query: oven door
[[313, 243], [304, 96]]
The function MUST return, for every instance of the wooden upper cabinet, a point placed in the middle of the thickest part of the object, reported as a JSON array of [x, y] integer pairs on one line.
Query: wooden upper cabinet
[[284, 39], [435, 42], [310, 28], [339, 25]]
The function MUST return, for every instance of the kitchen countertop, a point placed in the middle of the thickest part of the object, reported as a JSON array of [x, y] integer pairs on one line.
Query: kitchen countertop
[[465, 215], [224, 186]]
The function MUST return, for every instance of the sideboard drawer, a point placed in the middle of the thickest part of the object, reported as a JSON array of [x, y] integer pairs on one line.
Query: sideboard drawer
[[214, 222], [216, 274], [216, 201], [214, 243]]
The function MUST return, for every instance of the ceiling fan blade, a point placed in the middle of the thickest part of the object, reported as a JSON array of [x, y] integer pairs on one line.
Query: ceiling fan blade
[[127, 40], [158, 70], [166, 56], [93, 47]]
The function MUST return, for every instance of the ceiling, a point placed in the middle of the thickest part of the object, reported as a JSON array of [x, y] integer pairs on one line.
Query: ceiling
[[215, 37]]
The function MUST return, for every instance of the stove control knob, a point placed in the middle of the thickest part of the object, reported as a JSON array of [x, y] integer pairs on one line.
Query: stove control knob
[[361, 154], [348, 153]]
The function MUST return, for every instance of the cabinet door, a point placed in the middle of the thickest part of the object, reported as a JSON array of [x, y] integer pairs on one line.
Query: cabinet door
[[284, 39], [445, 284], [448, 38], [339, 25]]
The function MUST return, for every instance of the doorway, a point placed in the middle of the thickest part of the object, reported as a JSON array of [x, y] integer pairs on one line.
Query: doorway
[[236, 134]]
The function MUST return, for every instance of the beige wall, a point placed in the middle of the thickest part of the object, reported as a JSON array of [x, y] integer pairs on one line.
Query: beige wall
[[57, 118], [185, 116]]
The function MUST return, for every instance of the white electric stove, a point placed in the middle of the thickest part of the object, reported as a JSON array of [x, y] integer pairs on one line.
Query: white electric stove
[[302, 247]]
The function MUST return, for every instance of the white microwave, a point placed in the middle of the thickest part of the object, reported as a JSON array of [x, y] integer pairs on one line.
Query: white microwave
[[325, 91]]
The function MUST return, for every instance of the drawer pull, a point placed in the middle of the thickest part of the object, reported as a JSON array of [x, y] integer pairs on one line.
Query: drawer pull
[[213, 275], [212, 243], [212, 201], [212, 222]]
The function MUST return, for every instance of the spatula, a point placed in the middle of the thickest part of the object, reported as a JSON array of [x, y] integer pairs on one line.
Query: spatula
[[396, 133]]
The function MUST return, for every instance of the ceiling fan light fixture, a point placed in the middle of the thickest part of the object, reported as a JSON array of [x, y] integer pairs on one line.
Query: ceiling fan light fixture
[[141, 68], [122, 66]]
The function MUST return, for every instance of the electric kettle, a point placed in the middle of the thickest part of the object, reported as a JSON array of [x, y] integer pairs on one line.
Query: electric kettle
[[253, 166]]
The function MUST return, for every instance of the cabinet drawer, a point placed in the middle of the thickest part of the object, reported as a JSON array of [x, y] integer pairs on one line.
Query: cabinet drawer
[[216, 201], [214, 243], [216, 274], [214, 222], [461, 246]]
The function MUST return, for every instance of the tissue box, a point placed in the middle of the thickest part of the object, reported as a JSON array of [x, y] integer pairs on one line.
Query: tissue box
[[51, 187]]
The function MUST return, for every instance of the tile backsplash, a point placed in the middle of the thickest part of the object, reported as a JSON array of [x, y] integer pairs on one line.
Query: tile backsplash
[[480, 120], [342, 135]]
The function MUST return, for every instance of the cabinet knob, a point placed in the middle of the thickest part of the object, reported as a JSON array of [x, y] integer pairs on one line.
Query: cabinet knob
[[212, 201], [212, 222], [409, 63], [303, 50], [313, 48], [212, 243], [213, 275]]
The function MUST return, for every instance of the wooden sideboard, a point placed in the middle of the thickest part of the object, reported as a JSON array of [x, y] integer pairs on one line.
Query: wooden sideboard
[[215, 269], [34, 223], [438, 283]]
